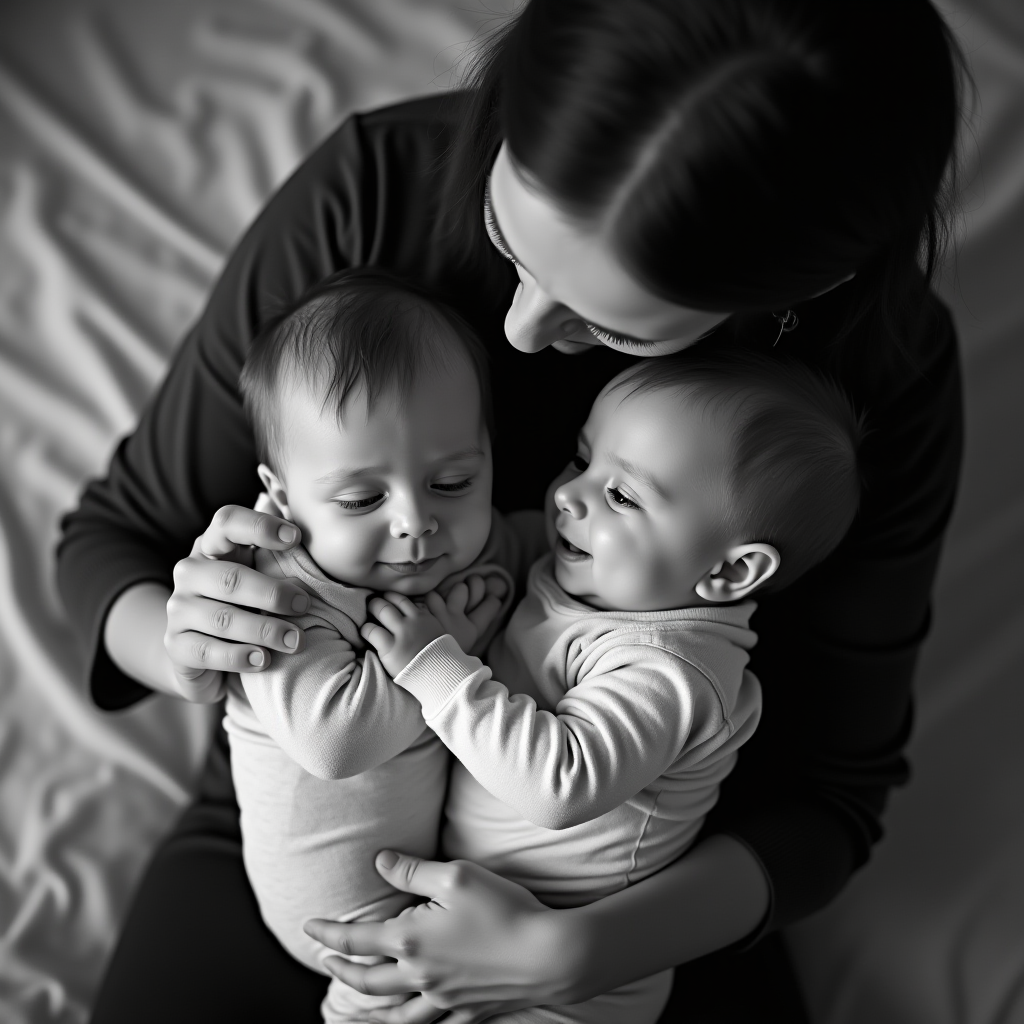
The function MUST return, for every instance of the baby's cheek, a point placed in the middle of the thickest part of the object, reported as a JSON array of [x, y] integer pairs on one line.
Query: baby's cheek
[[344, 549], [466, 526], [634, 575]]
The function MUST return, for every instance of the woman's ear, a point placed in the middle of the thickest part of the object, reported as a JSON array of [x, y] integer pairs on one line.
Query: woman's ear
[[274, 487], [744, 568]]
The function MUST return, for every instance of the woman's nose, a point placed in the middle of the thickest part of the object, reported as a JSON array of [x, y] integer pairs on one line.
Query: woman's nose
[[568, 499], [411, 519], [534, 320]]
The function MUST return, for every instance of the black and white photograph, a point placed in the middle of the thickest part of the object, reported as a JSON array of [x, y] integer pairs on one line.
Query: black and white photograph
[[511, 510]]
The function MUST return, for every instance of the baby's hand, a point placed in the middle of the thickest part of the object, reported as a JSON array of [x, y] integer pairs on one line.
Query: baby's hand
[[404, 628], [470, 608]]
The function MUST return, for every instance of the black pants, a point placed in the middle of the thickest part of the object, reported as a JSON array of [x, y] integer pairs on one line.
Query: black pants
[[195, 950]]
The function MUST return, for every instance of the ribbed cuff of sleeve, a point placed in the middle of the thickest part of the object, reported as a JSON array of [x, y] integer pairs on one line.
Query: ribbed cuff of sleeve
[[437, 672]]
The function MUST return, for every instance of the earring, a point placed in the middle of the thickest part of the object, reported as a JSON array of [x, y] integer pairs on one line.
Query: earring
[[788, 321]]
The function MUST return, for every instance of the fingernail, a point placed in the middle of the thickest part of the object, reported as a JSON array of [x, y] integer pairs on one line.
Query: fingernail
[[256, 658], [287, 534], [387, 859], [300, 603], [291, 639]]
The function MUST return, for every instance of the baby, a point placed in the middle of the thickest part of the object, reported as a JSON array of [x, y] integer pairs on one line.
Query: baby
[[369, 406], [595, 740]]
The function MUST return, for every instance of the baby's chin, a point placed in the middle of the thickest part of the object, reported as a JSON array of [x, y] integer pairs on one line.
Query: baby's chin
[[417, 583]]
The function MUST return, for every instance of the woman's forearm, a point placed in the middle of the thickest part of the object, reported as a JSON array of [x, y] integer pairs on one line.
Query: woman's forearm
[[713, 896], [134, 636]]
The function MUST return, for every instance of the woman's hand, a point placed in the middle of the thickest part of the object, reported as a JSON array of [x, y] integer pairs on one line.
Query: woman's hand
[[214, 623], [482, 945]]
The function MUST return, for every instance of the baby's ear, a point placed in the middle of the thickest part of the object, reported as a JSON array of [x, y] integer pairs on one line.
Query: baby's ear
[[274, 487], [744, 568]]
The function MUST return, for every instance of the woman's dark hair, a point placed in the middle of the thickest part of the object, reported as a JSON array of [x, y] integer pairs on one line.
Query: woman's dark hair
[[358, 329], [744, 154]]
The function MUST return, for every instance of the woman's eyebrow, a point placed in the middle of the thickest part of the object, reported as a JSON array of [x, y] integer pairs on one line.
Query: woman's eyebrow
[[492, 217]]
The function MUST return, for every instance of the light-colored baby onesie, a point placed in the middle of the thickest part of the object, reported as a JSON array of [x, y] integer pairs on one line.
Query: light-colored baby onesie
[[594, 760], [332, 763]]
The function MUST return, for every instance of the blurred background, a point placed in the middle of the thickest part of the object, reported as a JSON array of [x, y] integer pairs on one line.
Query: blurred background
[[137, 140]]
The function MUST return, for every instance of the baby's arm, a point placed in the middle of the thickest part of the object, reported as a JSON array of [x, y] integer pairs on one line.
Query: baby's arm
[[612, 734], [336, 715]]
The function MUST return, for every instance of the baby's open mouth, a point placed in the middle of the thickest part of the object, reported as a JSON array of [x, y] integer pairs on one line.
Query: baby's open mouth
[[411, 568], [570, 551]]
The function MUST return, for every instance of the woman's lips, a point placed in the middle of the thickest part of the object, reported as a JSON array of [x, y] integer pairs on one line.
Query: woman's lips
[[411, 568], [569, 552]]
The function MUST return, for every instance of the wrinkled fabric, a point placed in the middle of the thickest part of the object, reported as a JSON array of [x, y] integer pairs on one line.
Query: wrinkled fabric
[[137, 139]]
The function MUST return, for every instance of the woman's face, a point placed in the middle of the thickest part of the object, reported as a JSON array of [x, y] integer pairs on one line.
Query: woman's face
[[573, 292]]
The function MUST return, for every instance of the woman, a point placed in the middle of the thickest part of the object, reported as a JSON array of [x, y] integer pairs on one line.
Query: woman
[[766, 171]]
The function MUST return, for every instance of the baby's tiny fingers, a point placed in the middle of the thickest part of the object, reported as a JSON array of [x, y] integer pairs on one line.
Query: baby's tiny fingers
[[375, 604], [496, 586], [402, 603], [477, 589], [377, 637], [458, 597], [483, 614], [435, 604]]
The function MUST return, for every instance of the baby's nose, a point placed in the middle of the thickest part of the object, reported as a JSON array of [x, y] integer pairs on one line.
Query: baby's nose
[[567, 500], [413, 521]]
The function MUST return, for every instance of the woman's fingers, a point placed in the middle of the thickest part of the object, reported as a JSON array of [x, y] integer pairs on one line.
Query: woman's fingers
[[193, 654], [379, 980], [210, 626], [237, 584], [221, 620], [367, 938], [430, 878], [236, 526]]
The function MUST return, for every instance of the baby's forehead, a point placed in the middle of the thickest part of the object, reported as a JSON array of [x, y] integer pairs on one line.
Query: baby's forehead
[[678, 408], [319, 388], [431, 414], [664, 434]]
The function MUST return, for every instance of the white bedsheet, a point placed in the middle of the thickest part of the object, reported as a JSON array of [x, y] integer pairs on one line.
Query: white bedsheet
[[137, 138]]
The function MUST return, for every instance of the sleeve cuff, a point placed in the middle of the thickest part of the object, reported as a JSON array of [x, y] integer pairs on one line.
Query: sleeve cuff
[[437, 672]]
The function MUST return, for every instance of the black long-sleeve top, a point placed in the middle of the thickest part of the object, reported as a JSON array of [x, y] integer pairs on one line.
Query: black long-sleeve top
[[837, 648]]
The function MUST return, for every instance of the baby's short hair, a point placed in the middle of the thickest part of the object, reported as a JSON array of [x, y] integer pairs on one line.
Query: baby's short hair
[[794, 481], [359, 328]]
